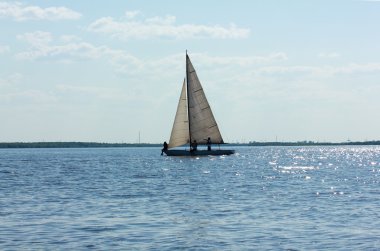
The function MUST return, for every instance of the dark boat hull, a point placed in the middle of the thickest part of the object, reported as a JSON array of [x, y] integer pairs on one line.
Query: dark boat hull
[[219, 152]]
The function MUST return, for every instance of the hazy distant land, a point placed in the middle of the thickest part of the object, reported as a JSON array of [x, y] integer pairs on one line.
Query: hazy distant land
[[96, 144]]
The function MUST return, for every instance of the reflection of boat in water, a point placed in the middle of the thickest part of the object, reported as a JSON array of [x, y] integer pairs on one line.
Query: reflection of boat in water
[[194, 121]]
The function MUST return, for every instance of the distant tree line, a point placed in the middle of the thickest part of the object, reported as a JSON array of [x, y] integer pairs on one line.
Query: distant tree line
[[70, 145]]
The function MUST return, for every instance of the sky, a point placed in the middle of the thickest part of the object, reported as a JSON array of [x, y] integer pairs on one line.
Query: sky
[[109, 71]]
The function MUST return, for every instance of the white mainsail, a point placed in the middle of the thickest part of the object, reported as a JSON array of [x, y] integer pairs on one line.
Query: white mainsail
[[201, 119], [180, 130]]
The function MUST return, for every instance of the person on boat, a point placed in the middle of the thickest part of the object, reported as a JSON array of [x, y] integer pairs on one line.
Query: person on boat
[[208, 144], [194, 146], [165, 148]]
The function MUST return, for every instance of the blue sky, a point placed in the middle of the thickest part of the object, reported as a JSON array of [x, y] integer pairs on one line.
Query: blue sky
[[105, 71]]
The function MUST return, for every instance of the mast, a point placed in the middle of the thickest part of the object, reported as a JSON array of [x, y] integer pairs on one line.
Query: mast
[[187, 96]]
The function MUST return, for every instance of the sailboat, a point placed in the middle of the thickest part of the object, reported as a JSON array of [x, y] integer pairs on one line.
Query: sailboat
[[194, 122]]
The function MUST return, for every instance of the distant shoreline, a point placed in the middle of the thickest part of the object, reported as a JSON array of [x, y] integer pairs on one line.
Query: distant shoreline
[[71, 145], [98, 145]]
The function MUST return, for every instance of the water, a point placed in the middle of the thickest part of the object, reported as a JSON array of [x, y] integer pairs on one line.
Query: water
[[262, 198]]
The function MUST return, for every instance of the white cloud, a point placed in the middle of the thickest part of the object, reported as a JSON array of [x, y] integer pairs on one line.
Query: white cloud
[[132, 14], [42, 47], [162, 27], [37, 38], [71, 48], [21, 12]]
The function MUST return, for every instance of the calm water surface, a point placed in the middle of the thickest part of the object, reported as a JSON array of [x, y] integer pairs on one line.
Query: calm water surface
[[262, 198]]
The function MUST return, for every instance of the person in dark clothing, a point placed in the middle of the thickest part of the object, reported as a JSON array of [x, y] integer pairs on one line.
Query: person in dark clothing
[[194, 146], [165, 148], [209, 144]]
